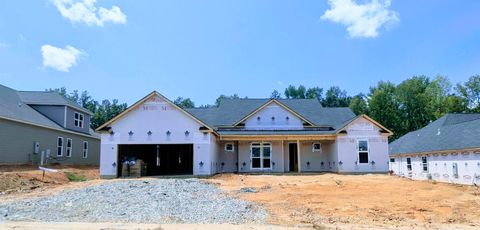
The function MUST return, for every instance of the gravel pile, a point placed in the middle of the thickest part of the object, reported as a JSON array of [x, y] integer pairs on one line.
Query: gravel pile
[[148, 201]]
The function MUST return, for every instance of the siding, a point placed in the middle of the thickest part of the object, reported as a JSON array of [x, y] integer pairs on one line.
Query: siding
[[56, 113], [17, 139], [71, 121]]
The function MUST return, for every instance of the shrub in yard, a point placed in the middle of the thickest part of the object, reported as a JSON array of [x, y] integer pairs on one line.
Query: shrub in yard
[[73, 177]]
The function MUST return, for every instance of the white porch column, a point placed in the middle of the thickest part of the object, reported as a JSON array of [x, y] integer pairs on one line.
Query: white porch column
[[283, 158], [299, 161]]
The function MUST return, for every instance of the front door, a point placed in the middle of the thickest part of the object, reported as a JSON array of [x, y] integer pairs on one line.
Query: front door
[[293, 157]]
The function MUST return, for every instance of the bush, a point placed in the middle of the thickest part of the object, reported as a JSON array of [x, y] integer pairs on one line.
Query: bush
[[73, 177]]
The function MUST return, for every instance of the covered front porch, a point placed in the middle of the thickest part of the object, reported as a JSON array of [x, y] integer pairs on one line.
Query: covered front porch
[[280, 153]]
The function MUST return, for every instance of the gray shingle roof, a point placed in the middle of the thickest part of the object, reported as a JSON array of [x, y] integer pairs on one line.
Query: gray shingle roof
[[12, 106], [231, 111], [48, 98], [450, 132]]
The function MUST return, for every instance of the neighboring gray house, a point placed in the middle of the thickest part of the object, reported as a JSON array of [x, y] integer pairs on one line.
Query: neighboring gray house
[[242, 135], [447, 150], [34, 123]]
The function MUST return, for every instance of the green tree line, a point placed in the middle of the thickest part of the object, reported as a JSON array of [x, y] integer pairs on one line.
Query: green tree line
[[402, 107]]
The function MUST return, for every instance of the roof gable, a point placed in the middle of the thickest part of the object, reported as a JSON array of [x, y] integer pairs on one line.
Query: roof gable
[[371, 120], [273, 101], [152, 97]]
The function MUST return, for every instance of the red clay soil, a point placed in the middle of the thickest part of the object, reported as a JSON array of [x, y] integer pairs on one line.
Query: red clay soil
[[378, 201], [26, 178]]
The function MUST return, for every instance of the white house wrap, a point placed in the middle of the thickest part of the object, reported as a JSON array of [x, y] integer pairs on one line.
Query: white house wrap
[[242, 135]]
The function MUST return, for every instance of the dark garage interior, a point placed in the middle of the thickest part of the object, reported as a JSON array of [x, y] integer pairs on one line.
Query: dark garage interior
[[164, 159]]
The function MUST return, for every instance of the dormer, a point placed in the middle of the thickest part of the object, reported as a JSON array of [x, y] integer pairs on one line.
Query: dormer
[[273, 116]]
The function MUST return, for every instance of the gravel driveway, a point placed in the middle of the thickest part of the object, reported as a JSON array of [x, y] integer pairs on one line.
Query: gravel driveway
[[141, 201]]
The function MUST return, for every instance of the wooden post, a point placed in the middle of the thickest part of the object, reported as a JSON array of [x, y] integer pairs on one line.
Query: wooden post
[[299, 161]]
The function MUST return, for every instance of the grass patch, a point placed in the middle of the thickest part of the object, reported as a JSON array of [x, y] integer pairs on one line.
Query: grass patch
[[73, 177]]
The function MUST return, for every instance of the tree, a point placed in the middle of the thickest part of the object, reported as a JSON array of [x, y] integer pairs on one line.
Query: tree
[[358, 104], [275, 95], [292, 92], [314, 93], [295, 93], [415, 103], [221, 97], [185, 103], [106, 111], [384, 107], [470, 91], [335, 97], [102, 112]]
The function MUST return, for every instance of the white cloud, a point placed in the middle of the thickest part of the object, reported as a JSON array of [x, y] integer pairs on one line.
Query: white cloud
[[3, 45], [361, 20], [60, 59], [279, 82], [22, 38], [86, 12]]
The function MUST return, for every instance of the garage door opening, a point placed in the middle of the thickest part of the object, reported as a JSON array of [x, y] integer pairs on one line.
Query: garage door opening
[[154, 160]]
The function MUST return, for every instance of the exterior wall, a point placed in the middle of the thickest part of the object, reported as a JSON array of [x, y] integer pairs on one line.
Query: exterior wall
[[277, 157], [56, 113], [312, 161], [71, 120], [158, 117], [228, 158], [17, 145], [440, 167], [346, 145], [280, 121]]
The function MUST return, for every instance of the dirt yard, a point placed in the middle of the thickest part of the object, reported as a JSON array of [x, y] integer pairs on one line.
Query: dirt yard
[[358, 201], [27, 178], [323, 200]]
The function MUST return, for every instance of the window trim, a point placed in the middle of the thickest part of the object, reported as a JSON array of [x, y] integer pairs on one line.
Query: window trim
[[261, 145], [60, 147], [85, 150], [229, 150], [316, 150], [78, 120], [368, 151], [69, 150], [409, 164], [424, 164]]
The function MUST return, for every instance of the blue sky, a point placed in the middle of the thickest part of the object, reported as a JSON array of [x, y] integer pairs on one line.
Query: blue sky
[[201, 49]]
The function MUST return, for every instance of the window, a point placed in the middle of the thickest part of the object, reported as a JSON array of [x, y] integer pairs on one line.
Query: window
[[78, 120], [316, 147], [85, 149], [363, 152], [69, 148], [425, 164], [409, 164], [60, 146], [229, 147], [261, 155], [392, 160]]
